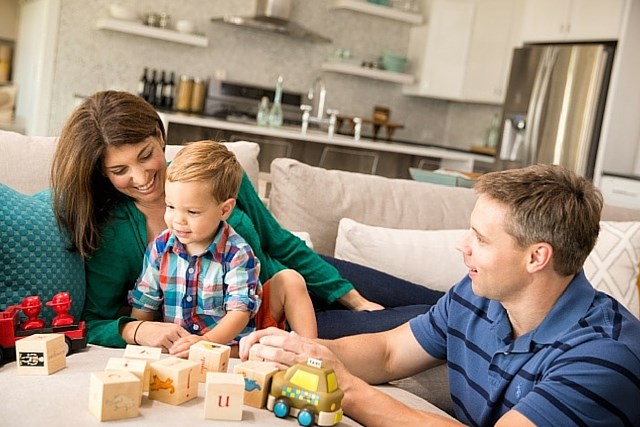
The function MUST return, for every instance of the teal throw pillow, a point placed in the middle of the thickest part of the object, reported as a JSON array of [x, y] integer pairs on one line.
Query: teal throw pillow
[[34, 259]]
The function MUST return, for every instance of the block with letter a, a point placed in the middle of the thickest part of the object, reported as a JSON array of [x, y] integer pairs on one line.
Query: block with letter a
[[223, 396]]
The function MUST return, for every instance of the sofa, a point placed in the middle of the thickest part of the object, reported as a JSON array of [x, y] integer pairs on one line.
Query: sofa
[[402, 227]]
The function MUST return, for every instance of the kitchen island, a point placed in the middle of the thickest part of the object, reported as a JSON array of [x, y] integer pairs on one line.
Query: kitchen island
[[315, 147]]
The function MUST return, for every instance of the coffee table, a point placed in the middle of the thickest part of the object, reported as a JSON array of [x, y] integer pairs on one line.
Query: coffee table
[[62, 399]]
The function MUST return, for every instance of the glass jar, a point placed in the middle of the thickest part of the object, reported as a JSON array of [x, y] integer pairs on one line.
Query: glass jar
[[185, 90], [198, 95]]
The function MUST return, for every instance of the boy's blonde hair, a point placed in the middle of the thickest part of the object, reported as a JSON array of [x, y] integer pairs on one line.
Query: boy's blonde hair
[[211, 162]]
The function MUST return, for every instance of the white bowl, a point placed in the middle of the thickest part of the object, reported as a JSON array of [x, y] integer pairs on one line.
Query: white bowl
[[122, 12], [185, 26]]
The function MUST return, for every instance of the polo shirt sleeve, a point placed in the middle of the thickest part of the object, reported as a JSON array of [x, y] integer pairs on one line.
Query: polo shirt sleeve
[[596, 382], [430, 328]]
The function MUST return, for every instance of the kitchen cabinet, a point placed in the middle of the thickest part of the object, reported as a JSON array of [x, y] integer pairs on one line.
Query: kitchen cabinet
[[464, 52], [572, 20], [139, 29]]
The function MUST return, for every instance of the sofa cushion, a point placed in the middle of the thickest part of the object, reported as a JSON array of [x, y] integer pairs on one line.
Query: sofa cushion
[[25, 161], [414, 255], [429, 257], [312, 199], [34, 259], [246, 152]]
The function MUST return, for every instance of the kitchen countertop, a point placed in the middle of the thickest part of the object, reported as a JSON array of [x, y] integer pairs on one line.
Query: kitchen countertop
[[312, 135]]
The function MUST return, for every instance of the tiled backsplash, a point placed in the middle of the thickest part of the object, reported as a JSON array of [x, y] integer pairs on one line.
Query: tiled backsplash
[[89, 60]]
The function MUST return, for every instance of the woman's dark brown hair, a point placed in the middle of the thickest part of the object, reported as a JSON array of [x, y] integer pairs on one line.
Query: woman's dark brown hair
[[83, 198]]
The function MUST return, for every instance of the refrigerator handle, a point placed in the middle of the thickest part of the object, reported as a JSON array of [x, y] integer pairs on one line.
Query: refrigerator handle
[[536, 104]]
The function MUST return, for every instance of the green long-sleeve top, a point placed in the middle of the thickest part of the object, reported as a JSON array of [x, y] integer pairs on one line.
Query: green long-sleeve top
[[113, 269]]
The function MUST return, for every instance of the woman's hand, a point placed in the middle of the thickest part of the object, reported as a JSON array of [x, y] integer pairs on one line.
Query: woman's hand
[[153, 334], [356, 302]]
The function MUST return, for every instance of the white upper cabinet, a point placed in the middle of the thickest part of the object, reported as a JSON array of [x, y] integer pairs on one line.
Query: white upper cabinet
[[572, 20], [464, 51]]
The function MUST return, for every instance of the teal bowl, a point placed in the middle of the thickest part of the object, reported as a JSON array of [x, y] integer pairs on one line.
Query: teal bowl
[[391, 62]]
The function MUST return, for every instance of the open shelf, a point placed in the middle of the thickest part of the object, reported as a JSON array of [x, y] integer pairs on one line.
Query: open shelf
[[370, 73], [140, 29], [378, 10]]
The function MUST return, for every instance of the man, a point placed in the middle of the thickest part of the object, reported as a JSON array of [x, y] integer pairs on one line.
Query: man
[[527, 339]]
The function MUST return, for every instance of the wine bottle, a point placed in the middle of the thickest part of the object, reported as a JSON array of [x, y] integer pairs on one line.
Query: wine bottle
[[168, 91], [143, 84], [151, 97], [275, 115], [159, 89]]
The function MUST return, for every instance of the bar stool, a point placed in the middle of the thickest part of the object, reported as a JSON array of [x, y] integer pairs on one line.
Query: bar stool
[[349, 160]]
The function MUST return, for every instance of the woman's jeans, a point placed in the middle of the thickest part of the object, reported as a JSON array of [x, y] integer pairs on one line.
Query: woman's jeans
[[403, 301]]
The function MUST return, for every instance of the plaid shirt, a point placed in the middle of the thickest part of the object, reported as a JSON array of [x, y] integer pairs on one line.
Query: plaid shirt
[[197, 291]]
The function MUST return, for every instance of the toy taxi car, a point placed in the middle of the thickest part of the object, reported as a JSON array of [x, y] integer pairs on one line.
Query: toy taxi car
[[308, 392]]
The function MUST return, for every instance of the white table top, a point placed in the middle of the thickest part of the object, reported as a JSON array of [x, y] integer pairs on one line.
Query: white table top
[[62, 399]]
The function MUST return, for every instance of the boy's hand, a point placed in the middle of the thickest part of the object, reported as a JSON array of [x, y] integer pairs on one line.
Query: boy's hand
[[181, 347]]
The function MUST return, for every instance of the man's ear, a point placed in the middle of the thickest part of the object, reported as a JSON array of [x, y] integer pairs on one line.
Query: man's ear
[[540, 256], [227, 207]]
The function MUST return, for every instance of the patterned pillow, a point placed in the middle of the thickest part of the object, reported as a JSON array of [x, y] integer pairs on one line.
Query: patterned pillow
[[612, 266], [34, 259]]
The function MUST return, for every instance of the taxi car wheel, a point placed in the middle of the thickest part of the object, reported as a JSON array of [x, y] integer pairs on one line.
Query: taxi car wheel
[[281, 407], [306, 417]]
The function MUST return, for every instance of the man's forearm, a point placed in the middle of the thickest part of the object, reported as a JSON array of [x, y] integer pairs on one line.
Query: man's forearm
[[372, 407], [357, 354]]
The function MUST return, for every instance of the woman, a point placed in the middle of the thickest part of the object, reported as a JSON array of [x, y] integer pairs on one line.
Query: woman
[[108, 177]]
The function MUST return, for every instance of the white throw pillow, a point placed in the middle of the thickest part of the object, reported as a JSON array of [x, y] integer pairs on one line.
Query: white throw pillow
[[425, 257], [246, 152], [429, 257]]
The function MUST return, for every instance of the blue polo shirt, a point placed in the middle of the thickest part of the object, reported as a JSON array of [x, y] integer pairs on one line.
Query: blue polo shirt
[[580, 366]]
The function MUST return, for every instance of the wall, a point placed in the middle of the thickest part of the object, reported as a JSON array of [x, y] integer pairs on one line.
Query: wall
[[88, 60]]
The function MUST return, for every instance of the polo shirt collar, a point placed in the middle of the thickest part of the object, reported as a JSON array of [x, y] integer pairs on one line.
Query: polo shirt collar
[[572, 305]]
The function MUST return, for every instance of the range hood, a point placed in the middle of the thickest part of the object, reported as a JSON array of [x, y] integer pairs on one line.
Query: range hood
[[273, 16]]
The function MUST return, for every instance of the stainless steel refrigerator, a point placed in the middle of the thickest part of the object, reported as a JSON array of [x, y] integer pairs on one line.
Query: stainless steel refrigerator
[[554, 106]]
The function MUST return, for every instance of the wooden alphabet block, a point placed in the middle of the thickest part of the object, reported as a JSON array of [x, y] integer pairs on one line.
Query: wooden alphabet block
[[138, 367], [257, 380], [41, 354], [223, 396], [211, 357], [142, 352], [173, 380], [114, 395]]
